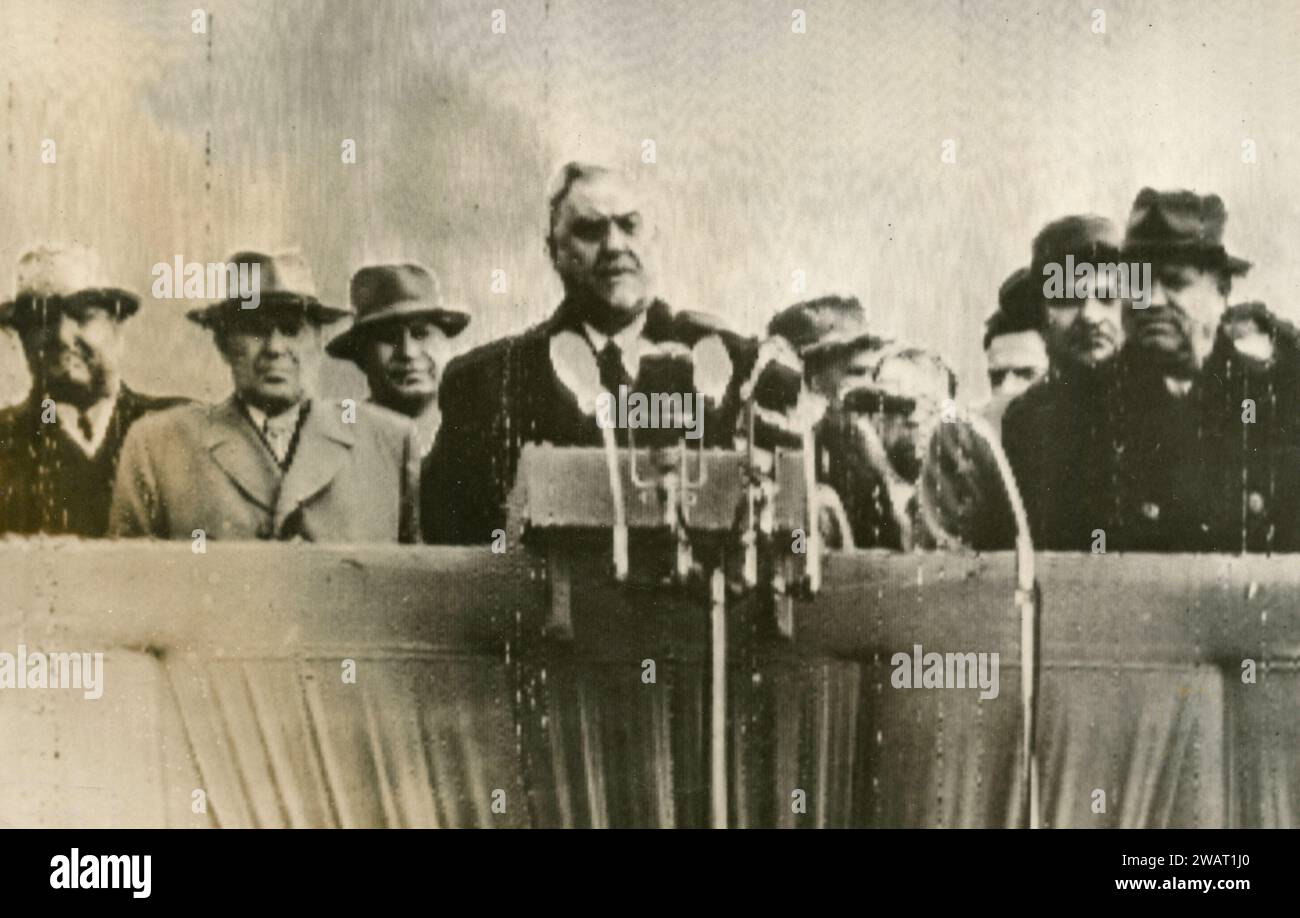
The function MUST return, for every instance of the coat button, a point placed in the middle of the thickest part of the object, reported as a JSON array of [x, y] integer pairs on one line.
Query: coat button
[[1255, 503], [1150, 511]]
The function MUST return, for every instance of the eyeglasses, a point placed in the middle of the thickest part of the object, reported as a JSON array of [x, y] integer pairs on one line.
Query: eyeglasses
[[869, 401]]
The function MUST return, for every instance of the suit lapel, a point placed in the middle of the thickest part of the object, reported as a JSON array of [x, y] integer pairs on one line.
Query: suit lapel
[[239, 452], [125, 413], [324, 445], [552, 412]]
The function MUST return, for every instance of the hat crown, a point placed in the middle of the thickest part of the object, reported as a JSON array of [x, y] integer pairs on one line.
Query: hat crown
[[58, 270], [1181, 226], [1084, 237], [1020, 299], [1176, 218], [280, 274], [808, 322], [1016, 290], [379, 287], [283, 280], [392, 292]]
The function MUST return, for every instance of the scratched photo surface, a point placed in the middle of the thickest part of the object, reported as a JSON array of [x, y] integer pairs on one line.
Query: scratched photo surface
[[932, 667]]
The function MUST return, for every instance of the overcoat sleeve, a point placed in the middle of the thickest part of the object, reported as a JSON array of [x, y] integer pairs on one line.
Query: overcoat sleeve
[[135, 510]]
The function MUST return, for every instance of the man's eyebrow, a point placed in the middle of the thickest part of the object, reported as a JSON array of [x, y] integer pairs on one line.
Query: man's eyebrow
[[590, 213], [589, 218]]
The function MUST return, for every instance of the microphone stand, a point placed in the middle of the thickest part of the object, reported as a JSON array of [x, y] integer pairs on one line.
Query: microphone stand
[[1028, 603]]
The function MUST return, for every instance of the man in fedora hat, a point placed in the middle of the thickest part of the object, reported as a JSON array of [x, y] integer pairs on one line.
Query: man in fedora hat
[[876, 397], [1158, 454], [272, 461], [401, 339], [59, 447], [831, 337], [1180, 233], [1082, 317], [537, 386]]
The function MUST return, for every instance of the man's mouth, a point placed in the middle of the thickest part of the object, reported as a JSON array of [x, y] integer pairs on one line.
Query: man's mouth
[[66, 365], [412, 378], [1094, 336], [1161, 329]]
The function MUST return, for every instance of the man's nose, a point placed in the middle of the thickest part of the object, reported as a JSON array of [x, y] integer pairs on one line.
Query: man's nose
[[1012, 386], [407, 347], [277, 342], [616, 240], [1159, 295], [65, 330], [1094, 310]]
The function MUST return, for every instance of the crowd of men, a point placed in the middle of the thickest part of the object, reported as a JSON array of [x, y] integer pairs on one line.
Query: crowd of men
[[1166, 424]]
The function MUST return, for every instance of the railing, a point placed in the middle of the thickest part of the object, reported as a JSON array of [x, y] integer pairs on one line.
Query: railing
[[225, 700]]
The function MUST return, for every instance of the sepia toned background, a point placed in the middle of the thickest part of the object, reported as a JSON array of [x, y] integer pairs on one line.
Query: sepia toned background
[[775, 152]]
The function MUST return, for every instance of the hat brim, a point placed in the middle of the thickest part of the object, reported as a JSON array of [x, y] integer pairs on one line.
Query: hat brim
[[128, 304], [842, 340], [212, 314], [346, 346], [1212, 257]]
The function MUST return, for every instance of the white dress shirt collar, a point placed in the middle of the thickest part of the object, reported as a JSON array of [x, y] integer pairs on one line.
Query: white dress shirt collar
[[259, 417], [99, 415], [628, 339]]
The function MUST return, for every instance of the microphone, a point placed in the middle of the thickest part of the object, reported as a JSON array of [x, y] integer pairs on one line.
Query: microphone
[[773, 389], [665, 387], [575, 367]]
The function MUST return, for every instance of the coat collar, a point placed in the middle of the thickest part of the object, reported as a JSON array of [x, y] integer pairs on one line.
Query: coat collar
[[126, 400], [239, 451], [126, 407], [658, 320], [324, 442]]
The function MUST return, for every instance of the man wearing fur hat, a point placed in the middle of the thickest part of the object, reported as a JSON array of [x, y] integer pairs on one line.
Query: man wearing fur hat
[[401, 340], [272, 461], [542, 385], [59, 447]]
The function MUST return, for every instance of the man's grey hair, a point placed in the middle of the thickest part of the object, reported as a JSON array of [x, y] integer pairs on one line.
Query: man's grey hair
[[570, 174], [916, 355]]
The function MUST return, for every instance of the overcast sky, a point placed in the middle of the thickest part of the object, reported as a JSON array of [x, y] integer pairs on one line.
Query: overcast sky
[[775, 151]]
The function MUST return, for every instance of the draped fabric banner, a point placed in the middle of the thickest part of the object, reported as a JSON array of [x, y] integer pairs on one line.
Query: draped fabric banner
[[292, 685]]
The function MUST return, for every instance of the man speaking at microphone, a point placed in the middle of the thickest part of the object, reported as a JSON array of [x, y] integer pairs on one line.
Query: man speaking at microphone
[[541, 386]]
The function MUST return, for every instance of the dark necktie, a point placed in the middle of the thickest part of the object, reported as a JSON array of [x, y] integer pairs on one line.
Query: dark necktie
[[612, 372]]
